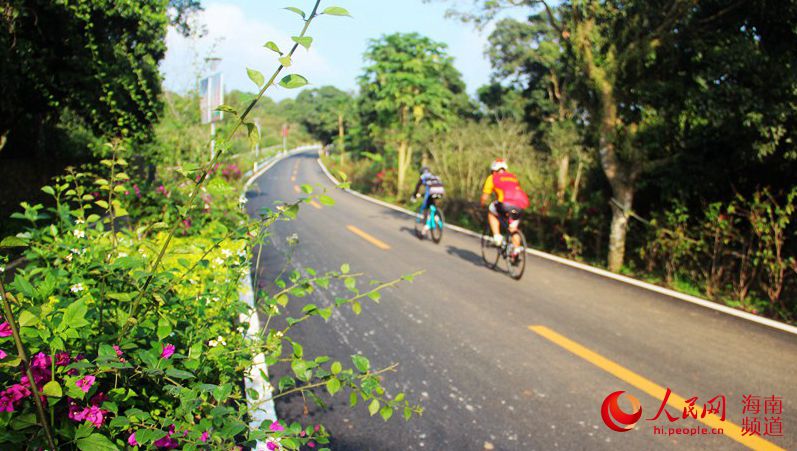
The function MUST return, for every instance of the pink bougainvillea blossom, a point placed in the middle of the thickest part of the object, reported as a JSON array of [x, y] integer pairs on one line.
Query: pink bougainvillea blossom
[[276, 427], [94, 415], [167, 442], [118, 350], [311, 444], [5, 330], [85, 383], [62, 359], [132, 440], [205, 436], [3, 354], [168, 351], [98, 399]]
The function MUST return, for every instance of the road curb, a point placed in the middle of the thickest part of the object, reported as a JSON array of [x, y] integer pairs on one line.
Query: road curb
[[256, 378], [601, 272]]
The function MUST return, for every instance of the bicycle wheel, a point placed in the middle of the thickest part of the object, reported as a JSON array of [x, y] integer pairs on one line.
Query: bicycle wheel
[[437, 226], [490, 253], [517, 264], [419, 222]]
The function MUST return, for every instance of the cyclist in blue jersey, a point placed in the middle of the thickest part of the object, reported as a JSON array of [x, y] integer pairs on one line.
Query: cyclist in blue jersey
[[433, 189]]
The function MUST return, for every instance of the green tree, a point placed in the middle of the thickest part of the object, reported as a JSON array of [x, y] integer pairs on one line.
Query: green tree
[[409, 86], [97, 58], [323, 111]]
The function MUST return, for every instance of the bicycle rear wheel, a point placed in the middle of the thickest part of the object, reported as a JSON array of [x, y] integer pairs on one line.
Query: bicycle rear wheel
[[490, 252], [437, 226], [517, 263]]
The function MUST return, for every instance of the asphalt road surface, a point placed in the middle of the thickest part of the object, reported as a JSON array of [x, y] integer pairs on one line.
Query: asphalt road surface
[[506, 365]]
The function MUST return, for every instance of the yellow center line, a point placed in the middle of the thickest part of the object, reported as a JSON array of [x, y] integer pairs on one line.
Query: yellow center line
[[296, 188], [368, 237], [656, 391], [315, 204]]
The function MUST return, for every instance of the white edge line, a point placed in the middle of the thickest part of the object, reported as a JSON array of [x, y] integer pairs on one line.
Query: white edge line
[[601, 272], [256, 378]]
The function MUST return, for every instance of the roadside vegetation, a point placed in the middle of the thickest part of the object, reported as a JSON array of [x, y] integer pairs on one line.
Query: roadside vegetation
[[654, 140]]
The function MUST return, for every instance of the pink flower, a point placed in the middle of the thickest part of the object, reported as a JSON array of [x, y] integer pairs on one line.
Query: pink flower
[[2, 354], [5, 330], [166, 442], [76, 413], [118, 350], [6, 405], [41, 361], [204, 437], [94, 415], [137, 190], [276, 427], [167, 352], [132, 440], [62, 359], [311, 444], [85, 383], [271, 445]]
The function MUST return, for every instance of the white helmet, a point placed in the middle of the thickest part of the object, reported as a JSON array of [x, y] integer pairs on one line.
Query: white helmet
[[498, 164]]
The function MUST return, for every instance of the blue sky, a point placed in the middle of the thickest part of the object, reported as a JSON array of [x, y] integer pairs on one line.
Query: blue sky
[[237, 30]]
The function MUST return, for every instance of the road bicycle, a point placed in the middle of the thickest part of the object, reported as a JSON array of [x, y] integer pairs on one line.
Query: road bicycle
[[432, 218], [491, 253]]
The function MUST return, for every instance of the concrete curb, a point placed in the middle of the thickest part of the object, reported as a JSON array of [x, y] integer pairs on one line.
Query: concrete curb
[[601, 272], [256, 378]]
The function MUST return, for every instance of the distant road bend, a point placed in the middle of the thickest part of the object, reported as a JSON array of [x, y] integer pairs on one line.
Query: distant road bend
[[508, 365]]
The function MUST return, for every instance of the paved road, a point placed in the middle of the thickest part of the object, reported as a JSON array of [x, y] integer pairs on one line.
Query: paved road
[[487, 381]]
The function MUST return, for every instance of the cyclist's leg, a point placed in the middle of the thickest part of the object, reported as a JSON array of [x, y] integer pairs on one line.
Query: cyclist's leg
[[513, 221], [427, 202], [495, 223]]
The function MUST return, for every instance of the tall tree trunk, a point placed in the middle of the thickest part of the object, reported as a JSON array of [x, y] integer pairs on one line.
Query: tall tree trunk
[[404, 161], [577, 181], [563, 177]]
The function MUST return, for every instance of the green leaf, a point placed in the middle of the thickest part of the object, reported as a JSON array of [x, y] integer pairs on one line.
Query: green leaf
[[293, 81], [375, 296], [307, 188], [336, 368], [333, 386], [336, 11], [272, 46], [350, 283], [407, 413], [253, 133], [119, 422], [27, 318], [256, 77], [12, 241], [53, 389], [164, 328], [75, 315], [297, 11], [49, 190], [361, 363], [227, 109], [96, 442], [285, 61], [179, 374], [304, 41], [386, 412], [345, 268], [353, 399], [102, 204], [326, 200], [356, 307], [222, 392], [373, 407]]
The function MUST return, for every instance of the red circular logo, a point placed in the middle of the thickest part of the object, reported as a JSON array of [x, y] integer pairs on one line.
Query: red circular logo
[[615, 418]]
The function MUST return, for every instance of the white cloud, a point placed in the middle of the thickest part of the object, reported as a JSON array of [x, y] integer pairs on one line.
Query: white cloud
[[238, 39]]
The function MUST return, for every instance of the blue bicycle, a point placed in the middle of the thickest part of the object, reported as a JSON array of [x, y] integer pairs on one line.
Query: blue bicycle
[[430, 220]]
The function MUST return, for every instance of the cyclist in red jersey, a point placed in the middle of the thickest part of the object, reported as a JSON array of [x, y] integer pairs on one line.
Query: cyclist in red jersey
[[510, 201]]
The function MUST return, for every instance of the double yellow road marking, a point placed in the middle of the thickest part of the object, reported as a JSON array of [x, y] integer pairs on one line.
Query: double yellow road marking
[[730, 429]]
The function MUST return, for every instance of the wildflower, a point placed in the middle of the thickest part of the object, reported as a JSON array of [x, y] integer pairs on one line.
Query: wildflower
[[311, 444], [218, 261], [132, 440], [76, 413], [137, 190], [80, 221], [226, 252], [62, 359], [213, 343], [273, 444], [118, 350], [242, 252], [2, 354], [76, 288], [85, 383], [276, 426], [168, 350], [68, 257], [94, 415], [204, 437], [79, 233], [5, 330]]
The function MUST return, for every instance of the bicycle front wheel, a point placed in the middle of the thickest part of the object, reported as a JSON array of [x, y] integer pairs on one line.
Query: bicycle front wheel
[[517, 262], [490, 252], [437, 226]]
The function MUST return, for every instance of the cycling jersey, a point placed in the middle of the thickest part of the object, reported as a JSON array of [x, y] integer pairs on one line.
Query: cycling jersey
[[506, 188], [433, 186]]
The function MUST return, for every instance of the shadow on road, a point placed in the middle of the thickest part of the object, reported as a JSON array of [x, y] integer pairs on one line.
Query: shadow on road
[[411, 231], [466, 255]]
